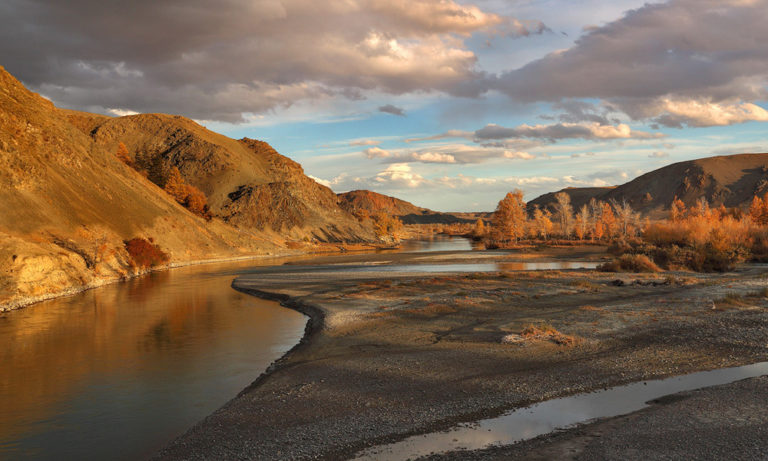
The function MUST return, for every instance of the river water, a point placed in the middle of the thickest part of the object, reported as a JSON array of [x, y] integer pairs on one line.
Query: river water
[[117, 372]]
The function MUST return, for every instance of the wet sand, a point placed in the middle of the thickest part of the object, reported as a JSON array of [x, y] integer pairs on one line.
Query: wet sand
[[392, 354]]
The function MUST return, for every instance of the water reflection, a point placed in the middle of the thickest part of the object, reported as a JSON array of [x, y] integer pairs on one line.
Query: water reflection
[[438, 243], [474, 267], [545, 417], [115, 372]]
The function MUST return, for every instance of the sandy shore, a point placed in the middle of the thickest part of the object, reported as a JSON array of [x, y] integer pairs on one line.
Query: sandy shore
[[391, 354]]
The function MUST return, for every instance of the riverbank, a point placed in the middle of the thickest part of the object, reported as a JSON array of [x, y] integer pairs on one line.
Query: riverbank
[[304, 249], [396, 353]]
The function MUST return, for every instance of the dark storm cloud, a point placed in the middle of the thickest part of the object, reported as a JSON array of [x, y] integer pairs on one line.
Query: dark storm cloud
[[394, 110], [687, 62], [220, 60]]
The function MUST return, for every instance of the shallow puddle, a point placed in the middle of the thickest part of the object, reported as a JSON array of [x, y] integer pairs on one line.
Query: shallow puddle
[[545, 417], [478, 267]]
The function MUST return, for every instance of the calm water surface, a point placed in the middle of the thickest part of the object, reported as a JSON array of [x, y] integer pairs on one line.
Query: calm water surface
[[116, 372]]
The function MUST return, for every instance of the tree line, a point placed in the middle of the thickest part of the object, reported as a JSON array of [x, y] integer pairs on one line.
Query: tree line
[[596, 221]]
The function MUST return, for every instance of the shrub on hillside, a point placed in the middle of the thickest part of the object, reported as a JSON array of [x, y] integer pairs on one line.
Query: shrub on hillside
[[187, 195], [144, 253]]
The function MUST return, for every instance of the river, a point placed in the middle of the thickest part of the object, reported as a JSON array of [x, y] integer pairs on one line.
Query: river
[[117, 372]]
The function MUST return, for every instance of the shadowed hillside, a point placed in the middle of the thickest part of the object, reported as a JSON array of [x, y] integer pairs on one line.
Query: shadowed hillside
[[730, 180]]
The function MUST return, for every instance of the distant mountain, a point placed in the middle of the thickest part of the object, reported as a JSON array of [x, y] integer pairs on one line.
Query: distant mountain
[[730, 180], [579, 196], [67, 204], [373, 202]]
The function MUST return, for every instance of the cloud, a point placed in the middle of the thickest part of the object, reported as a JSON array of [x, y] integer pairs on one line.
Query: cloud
[[683, 62], [227, 60], [400, 174], [658, 154], [376, 152], [676, 113], [364, 142], [591, 131], [447, 135], [394, 110], [447, 154]]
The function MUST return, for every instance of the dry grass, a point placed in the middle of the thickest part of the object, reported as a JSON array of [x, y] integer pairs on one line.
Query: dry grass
[[540, 332]]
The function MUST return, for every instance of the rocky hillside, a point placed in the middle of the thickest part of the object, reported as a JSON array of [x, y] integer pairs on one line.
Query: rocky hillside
[[372, 202], [730, 180], [247, 183], [67, 204]]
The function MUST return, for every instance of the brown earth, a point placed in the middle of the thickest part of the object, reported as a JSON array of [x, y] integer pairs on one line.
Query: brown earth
[[392, 354], [730, 180]]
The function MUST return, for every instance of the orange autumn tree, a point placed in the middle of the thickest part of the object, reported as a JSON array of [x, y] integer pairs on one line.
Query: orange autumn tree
[[123, 155], [510, 217], [187, 195], [677, 210], [542, 225], [758, 210], [479, 230], [608, 221]]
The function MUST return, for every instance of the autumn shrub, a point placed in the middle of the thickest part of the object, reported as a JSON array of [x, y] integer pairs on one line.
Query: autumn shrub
[[630, 263], [123, 155], [710, 242], [144, 253], [187, 195]]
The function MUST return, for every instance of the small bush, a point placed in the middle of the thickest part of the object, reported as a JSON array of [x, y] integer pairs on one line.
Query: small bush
[[145, 254], [630, 263]]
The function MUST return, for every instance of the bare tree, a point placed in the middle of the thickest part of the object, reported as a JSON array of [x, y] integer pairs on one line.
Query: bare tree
[[564, 212], [626, 217], [582, 222], [542, 225]]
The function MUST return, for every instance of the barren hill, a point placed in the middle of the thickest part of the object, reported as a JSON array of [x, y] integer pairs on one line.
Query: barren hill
[[248, 184], [730, 180], [67, 204], [373, 202], [579, 196]]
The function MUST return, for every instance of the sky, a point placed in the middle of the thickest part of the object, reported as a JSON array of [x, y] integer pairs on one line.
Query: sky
[[448, 104]]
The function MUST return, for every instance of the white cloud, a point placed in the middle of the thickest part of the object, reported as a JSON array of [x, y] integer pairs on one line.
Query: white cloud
[[364, 142], [704, 113], [400, 174], [591, 131], [376, 152]]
